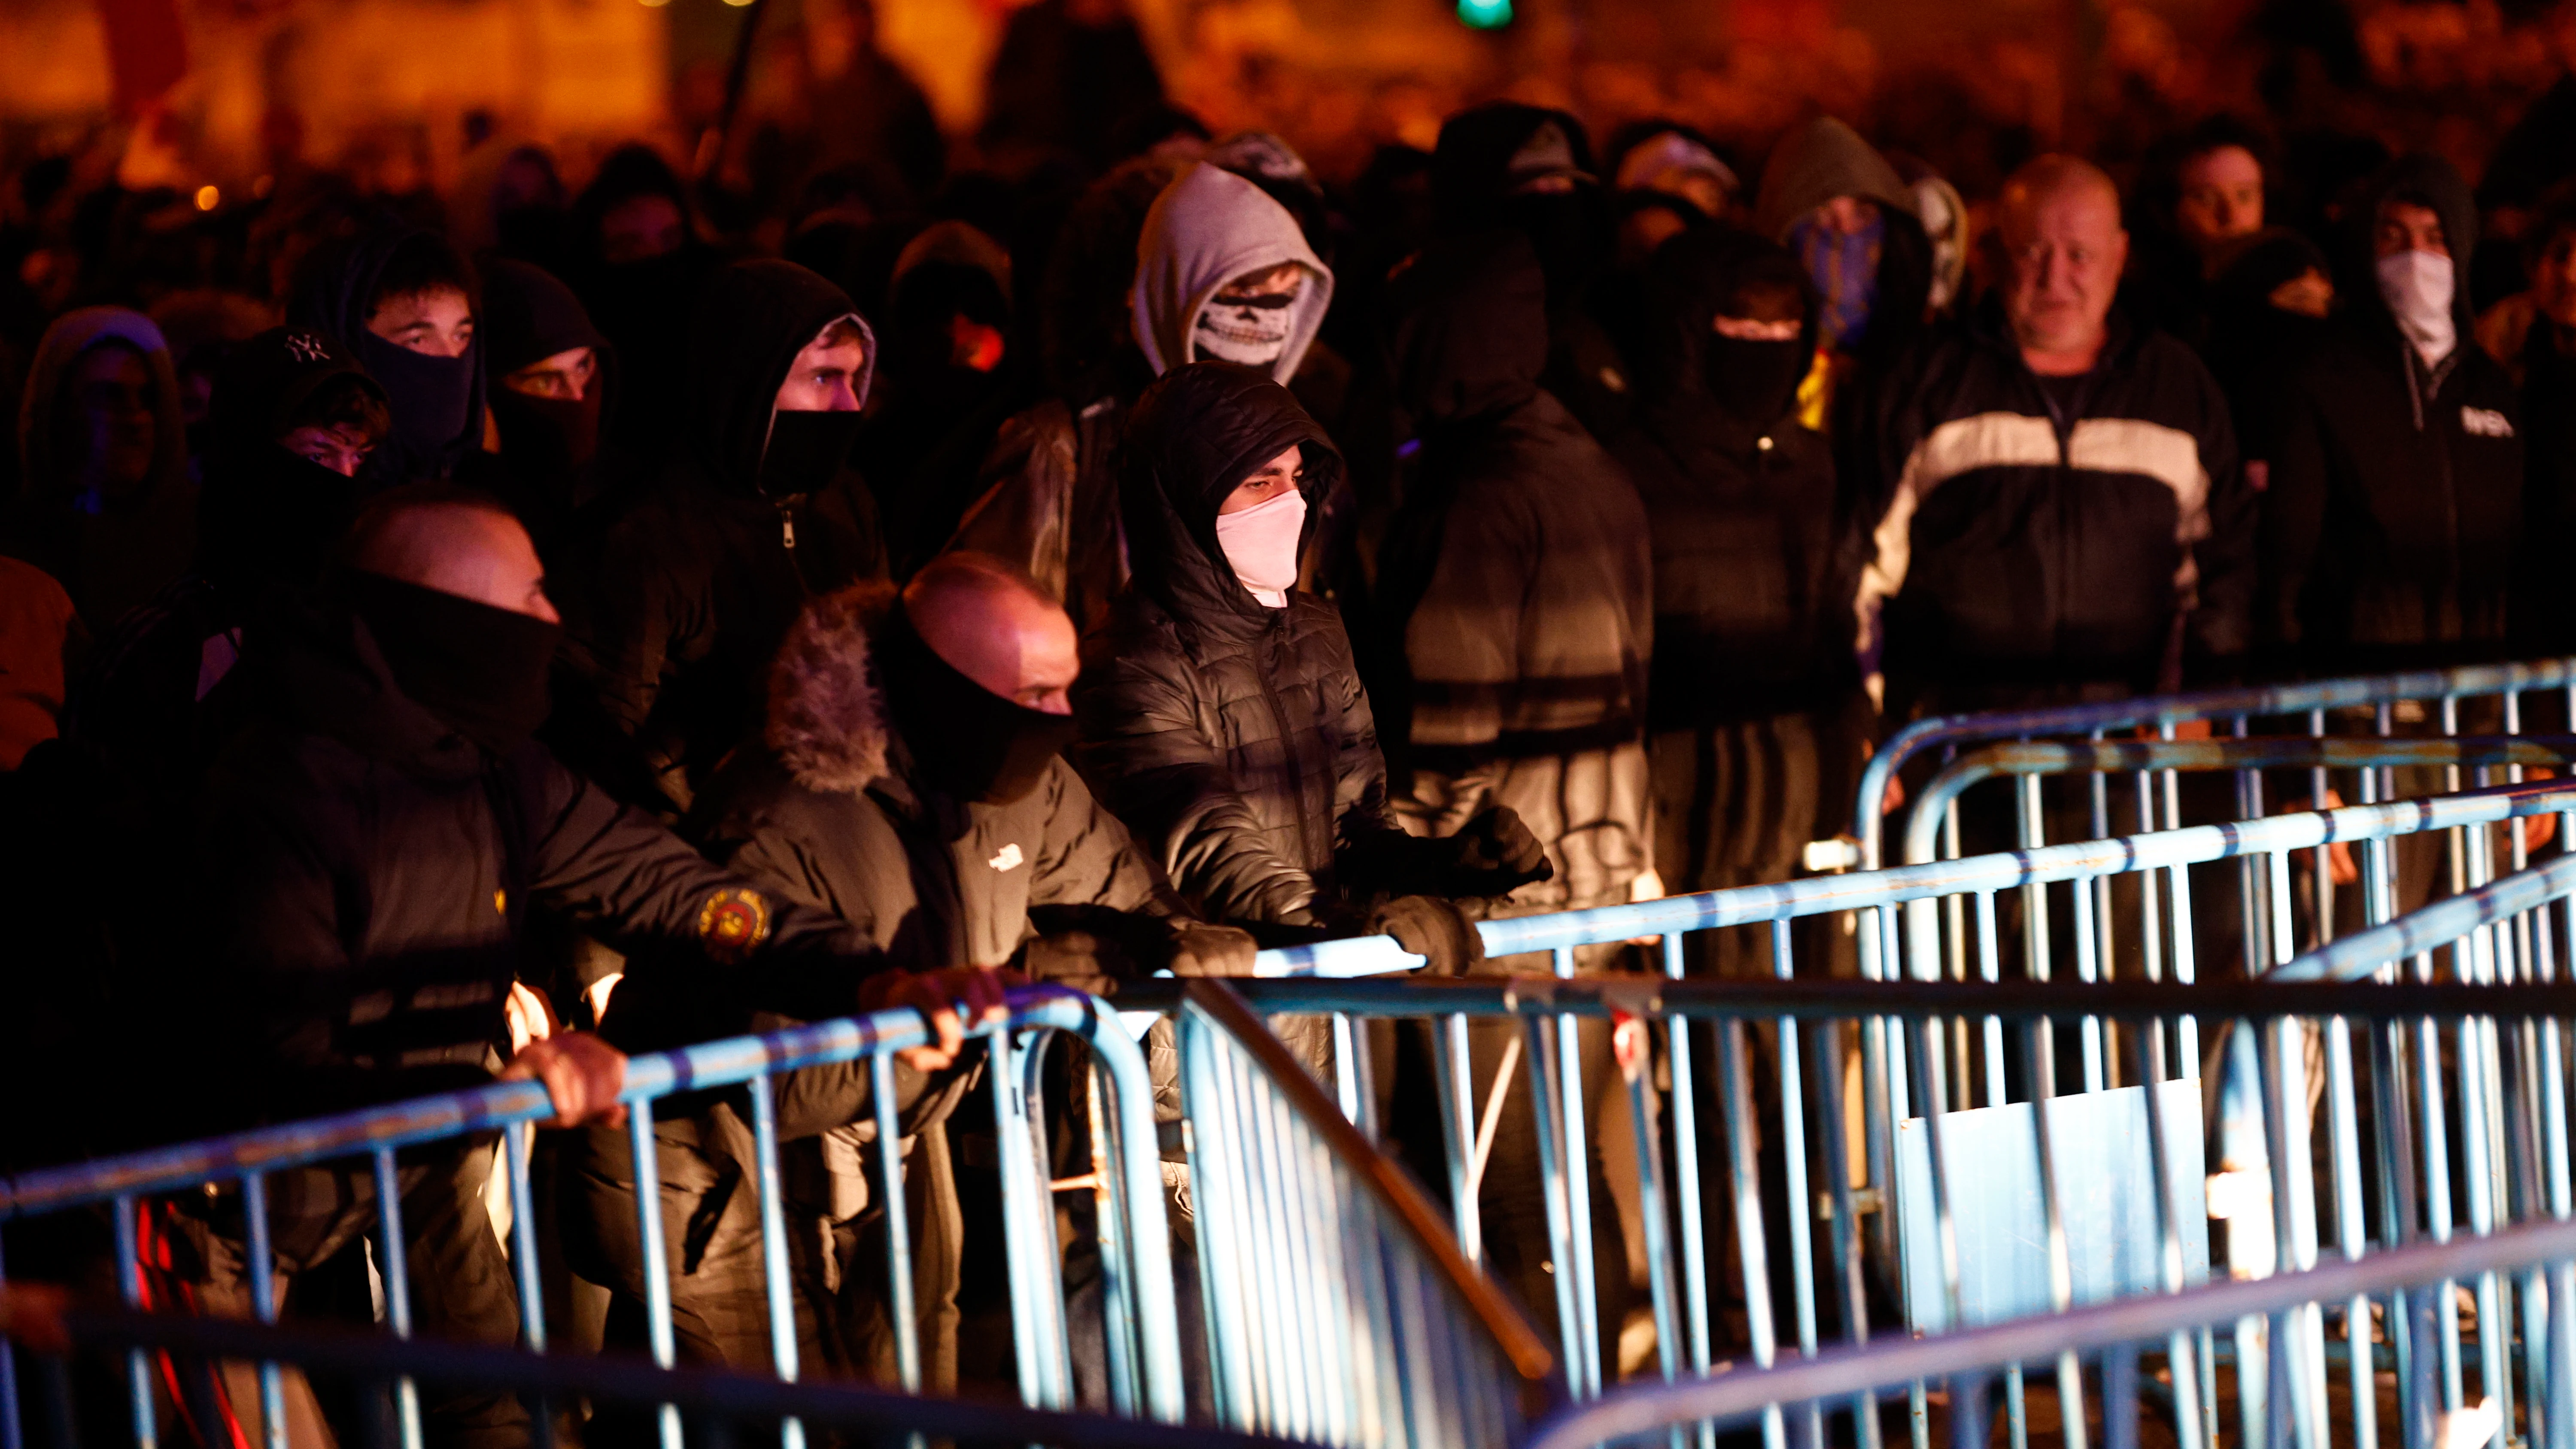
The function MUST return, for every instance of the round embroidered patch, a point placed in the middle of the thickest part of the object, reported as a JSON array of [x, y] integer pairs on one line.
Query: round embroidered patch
[[732, 924]]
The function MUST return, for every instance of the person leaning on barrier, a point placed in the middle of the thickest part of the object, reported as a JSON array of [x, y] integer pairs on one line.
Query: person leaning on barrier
[[907, 781], [370, 849], [1221, 716]]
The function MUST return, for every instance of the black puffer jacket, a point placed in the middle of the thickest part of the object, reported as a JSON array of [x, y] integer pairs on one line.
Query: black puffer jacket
[[1516, 581], [1754, 558], [366, 874], [2395, 508], [1233, 739], [676, 611]]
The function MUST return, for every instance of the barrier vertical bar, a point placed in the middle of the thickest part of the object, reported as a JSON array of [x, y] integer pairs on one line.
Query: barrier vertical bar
[[1453, 1061], [658, 1332], [783, 1348], [262, 1266], [394, 1259], [129, 1286], [1686, 1173], [1578, 1176], [1751, 1249], [1793, 1153]]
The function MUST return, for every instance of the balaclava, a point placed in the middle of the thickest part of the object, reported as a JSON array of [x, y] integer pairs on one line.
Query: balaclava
[[966, 741], [480, 670]]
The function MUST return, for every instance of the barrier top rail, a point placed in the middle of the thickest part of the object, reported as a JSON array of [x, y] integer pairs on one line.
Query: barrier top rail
[[2074, 757], [1840, 1373], [2002, 870], [652, 1075], [2361, 955], [2166, 709], [607, 1377]]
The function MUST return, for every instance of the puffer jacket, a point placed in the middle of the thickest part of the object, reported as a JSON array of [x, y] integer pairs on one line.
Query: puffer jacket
[[1516, 581], [2395, 511], [678, 607], [1233, 739]]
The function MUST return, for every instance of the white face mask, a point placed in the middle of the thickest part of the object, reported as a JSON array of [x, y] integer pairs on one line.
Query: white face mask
[[1261, 543], [2418, 287], [1247, 331]]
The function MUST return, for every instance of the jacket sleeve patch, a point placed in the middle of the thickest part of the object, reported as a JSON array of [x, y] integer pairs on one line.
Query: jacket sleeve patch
[[732, 924]]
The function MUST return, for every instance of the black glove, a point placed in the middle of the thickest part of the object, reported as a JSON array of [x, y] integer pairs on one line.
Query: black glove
[[1077, 959], [1199, 949], [1496, 855], [1431, 928]]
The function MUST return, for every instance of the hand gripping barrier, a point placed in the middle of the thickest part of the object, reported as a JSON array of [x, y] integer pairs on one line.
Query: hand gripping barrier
[[1925, 1066], [1142, 1333]]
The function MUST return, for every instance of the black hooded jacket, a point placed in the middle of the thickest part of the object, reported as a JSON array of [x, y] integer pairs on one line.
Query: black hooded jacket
[[2027, 538], [1753, 554], [2394, 513], [677, 610], [364, 880], [1233, 739], [331, 295]]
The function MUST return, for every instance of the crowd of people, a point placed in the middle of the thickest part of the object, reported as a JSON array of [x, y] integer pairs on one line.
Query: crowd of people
[[442, 638]]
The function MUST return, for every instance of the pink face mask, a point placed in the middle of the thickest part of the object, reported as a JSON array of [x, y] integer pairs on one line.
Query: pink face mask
[[1261, 543]]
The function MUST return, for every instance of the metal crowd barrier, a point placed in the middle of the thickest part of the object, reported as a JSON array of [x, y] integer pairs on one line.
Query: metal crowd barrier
[[1339, 1307], [1141, 1328], [2235, 708], [1925, 1067], [868, 1414]]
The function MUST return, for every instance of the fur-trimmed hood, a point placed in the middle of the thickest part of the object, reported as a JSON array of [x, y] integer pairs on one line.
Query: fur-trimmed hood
[[827, 718]]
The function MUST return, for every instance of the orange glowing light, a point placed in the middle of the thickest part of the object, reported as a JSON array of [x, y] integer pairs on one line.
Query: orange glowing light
[[208, 198]]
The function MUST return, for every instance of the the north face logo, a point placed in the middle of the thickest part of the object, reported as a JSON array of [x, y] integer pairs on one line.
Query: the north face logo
[[2485, 423]]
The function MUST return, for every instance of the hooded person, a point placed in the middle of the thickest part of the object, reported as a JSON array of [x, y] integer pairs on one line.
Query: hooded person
[[554, 390], [1759, 723], [907, 780], [401, 301], [1841, 209], [1517, 592], [634, 258], [508, 202], [676, 613], [1529, 169], [1223, 274], [294, 416], [105, 503], [2391, 527], [1220, 716], [949, 368]]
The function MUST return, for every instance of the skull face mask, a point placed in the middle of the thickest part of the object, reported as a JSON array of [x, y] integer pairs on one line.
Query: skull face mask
[[1247, 322]]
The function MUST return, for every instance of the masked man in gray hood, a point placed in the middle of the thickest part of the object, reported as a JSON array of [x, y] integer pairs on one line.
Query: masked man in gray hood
[[1223, 274]]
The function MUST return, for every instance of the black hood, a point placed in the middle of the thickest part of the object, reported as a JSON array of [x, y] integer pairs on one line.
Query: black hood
[[331, 292], [265, 511], [1466, 328], [528, 315], [1200, 430], [1689, 280], [2419, 177], [753, 320], [1471, 171]]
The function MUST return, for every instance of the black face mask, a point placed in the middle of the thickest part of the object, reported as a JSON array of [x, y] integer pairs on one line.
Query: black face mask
[[548, 442], [433, 397], [480, 670], [805, 450], [1754, 381], [967, 742], [1566, 230]]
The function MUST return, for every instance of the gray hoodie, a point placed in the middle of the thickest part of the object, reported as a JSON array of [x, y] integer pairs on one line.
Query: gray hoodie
[[1206, 229]]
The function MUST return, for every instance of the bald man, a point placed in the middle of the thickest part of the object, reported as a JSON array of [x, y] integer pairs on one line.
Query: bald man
[[907, 780], [2050, 494], [372, 846]]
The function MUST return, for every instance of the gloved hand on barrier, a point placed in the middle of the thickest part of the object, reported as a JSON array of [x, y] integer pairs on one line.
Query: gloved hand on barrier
[[1496, 854], [1432, 928]]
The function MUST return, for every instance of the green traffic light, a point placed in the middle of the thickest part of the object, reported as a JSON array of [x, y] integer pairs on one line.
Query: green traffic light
[[1485, 14]]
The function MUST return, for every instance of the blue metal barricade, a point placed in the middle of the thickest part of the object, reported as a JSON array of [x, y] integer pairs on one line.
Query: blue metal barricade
[[1926, 1071], [750, 1401], [1140, 1325]]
